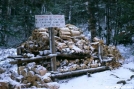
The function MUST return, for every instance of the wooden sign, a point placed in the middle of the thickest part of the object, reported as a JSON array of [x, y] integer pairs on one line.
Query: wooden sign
[[49, 21]]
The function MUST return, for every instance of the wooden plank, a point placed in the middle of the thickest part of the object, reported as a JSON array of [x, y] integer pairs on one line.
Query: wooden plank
[[52, 49]]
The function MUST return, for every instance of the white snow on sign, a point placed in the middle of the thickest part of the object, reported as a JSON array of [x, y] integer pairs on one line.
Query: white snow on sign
[[49, 21]]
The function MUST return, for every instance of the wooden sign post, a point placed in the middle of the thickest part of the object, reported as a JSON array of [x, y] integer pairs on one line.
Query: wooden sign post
[[50, 21]]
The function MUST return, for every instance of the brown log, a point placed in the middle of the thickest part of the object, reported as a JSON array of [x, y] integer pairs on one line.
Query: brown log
[[78, 72], [75, 33], [94, 65], [34, 59], [65, 33], [72, 56], [65, 36], [16, 56], [29, 79], [42, 72]]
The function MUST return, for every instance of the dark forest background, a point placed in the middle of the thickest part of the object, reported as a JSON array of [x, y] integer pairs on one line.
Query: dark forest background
[[112, 20]]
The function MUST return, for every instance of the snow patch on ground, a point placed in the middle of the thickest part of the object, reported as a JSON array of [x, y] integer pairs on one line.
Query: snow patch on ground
[[102, 80], [129, 65]]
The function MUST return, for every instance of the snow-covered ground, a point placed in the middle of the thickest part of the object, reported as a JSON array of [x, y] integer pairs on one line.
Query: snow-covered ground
[[107, 79], [102, 80]]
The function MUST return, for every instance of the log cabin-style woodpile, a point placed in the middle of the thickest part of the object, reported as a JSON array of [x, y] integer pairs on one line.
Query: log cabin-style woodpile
[[71, 40]]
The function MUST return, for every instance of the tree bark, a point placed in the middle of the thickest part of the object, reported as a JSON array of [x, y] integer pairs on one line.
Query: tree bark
[[92, 20], [107, 23]]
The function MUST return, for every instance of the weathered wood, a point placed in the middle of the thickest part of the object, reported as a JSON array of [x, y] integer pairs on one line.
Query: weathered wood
[[52, 49], [72, 56], [78, 72], [75, 33], [17, 56], [34, 59]]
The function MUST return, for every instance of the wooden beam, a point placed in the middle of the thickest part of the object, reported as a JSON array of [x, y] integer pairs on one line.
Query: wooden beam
[[71, 56], [33, 59], [52, 48], [79, 72]]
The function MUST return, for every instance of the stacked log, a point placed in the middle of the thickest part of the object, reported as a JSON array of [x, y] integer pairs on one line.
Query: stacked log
[[37, 76], [69, 40], [109, 52], [68, 65]]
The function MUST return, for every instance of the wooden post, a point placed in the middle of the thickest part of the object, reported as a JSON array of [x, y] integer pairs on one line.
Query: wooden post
[[100, 52], [52, 48], [18, 64]]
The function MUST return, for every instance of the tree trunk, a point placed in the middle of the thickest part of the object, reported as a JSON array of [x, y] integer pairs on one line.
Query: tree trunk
[[108, 35], [92, 19]]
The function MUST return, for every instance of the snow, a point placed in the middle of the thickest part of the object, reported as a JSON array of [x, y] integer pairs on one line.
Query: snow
[[7, 52], [129, 65], [107, 79], [101, 80]]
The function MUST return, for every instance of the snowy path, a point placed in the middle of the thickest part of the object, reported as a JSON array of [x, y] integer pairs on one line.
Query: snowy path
[[103, 80]]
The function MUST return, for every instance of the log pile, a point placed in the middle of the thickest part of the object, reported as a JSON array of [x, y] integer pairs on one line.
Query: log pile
[[109, 52], [106, 52], [36, 76], [77, 64], [70, 40]]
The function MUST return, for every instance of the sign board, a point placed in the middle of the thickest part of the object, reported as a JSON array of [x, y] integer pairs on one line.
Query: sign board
[[49, 21]]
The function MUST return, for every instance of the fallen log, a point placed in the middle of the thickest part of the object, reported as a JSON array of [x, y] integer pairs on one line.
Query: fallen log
[[78, 72], [17, 56], [33, 59], [71, 56]]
